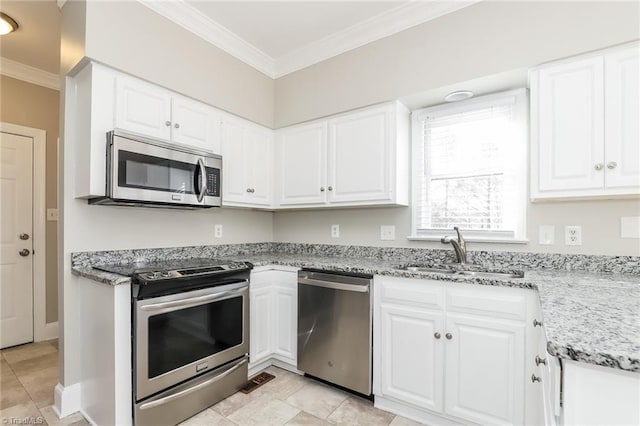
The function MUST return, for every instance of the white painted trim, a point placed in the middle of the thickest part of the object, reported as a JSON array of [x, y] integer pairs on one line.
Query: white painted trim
[[191, 19], [30, 74], [41, 331], [67, 399], [382, 25]]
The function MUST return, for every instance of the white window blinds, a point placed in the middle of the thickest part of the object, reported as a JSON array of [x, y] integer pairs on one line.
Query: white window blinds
[[469, 168]]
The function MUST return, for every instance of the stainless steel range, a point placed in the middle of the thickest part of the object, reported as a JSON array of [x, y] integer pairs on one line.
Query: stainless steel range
[[190, 336]]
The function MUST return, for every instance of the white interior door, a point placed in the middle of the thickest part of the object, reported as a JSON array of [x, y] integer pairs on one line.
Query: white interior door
[[16, 261]]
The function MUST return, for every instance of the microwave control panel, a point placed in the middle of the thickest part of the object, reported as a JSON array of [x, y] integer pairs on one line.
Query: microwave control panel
[[213, 182]]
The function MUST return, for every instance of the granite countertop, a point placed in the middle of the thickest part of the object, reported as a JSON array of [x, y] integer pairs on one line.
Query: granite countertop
[[588, 317]]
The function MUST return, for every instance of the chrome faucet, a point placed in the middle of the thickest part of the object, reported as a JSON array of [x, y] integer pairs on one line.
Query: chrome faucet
[[460, 246]]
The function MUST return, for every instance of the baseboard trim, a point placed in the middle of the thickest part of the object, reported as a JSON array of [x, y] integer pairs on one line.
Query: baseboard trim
[[285, 365], [413, 413], [49, 332], [66, 399]]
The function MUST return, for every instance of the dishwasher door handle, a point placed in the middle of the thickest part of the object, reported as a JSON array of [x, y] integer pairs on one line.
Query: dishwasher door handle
[[334, 285]]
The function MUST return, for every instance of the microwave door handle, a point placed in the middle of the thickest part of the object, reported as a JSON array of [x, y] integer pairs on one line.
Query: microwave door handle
[[203, 180]]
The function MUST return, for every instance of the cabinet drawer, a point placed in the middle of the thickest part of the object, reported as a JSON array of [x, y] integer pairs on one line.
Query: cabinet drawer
[[488, 301], [407, 291]]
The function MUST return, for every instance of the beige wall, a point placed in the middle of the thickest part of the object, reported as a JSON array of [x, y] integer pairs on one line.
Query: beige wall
[[485, 39], [35, 106]]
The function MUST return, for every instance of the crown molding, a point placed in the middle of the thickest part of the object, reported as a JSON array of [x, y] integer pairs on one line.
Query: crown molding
[[20, 71], [382, 25], [191, 19]]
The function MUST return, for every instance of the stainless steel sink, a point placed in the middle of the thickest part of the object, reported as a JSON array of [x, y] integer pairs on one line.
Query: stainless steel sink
[[449, 271]]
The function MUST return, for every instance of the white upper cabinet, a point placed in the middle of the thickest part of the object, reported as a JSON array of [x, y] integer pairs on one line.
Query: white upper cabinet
[[356, 158], [584, 126], [152, 111], [247, 163], [622, 122], [302, 164]]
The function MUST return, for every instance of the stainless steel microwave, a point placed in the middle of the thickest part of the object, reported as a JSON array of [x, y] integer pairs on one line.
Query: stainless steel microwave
[[150, 173]]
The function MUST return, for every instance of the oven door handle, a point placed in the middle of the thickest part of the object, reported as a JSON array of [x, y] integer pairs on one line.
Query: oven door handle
[[203, 180], [184, 392], [185, 303]]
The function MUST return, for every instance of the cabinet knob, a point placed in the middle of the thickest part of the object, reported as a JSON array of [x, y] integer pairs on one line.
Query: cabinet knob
[[167, 123], [24, 237], [330, 188], [542, 361], [598, 166], [249, 190], [535, 378], [449, 336], [437, 335], [177, 125], [537, 323], [322, 189], [24, 252], [611, 165]]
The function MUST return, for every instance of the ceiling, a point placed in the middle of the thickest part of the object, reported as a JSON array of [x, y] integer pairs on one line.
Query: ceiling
[[37, 41], [275, 37]]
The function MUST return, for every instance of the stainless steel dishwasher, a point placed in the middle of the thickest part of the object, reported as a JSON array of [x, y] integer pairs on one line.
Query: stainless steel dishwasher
[[334, 328]]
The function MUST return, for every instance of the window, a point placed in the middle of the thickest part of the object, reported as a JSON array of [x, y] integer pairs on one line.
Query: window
[[469, 168]]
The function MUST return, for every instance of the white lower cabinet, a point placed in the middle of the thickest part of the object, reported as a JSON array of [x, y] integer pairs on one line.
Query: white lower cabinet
[[437, 363], [273, 299]]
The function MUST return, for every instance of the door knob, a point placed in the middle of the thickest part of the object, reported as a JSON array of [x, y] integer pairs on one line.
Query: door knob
[[24, 252], [24, 237], [449, 336], [436, 335]]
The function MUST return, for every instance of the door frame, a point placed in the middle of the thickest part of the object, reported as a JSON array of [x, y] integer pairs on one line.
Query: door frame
[[41, 330]]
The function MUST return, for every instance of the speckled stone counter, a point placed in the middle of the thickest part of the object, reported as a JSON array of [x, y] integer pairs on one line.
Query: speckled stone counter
[[591, 317]]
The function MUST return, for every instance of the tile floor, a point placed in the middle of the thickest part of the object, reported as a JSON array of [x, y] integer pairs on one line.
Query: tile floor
[[29, 373]]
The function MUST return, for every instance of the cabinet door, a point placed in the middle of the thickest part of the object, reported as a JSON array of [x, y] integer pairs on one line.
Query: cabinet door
[[485, 370], [285, 328], [261, 323], [568, 128], [143, 108], [302, 165], [411, 356], [360, 156], [195, 124], [622, 119], [260, 165], [235, 168]]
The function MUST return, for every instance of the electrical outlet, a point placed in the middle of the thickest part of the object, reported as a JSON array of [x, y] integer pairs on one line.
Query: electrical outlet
[[335, 231], [573, 235], [217, 231], [387, 232], [546, 234]]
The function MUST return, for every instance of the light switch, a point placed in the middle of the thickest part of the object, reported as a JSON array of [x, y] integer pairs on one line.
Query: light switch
[[546, 234], [630, 227], [52, 215]]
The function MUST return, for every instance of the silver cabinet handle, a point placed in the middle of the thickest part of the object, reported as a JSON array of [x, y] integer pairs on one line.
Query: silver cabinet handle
[[541, 360], [24, 252], [537, 323], [184, 392], [437, 335], [24, 237], [611, 165], [449, 336], [322, 189], [535, 378], [330, 188], [167, 123], [177, 125]]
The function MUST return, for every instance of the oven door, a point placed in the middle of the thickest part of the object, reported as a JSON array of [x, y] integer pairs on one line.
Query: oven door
[[148, 172], [182, 335]]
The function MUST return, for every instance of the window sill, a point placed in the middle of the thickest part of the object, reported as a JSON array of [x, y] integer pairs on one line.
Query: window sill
[[470, 239]]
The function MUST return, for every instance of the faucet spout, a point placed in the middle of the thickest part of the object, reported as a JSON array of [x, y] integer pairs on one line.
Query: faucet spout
[[459, 246]]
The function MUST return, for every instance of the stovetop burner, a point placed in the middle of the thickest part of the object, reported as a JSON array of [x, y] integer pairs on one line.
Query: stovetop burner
[[151, 271]]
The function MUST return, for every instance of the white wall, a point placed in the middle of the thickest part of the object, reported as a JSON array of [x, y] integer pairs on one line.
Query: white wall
[[491, 43]]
